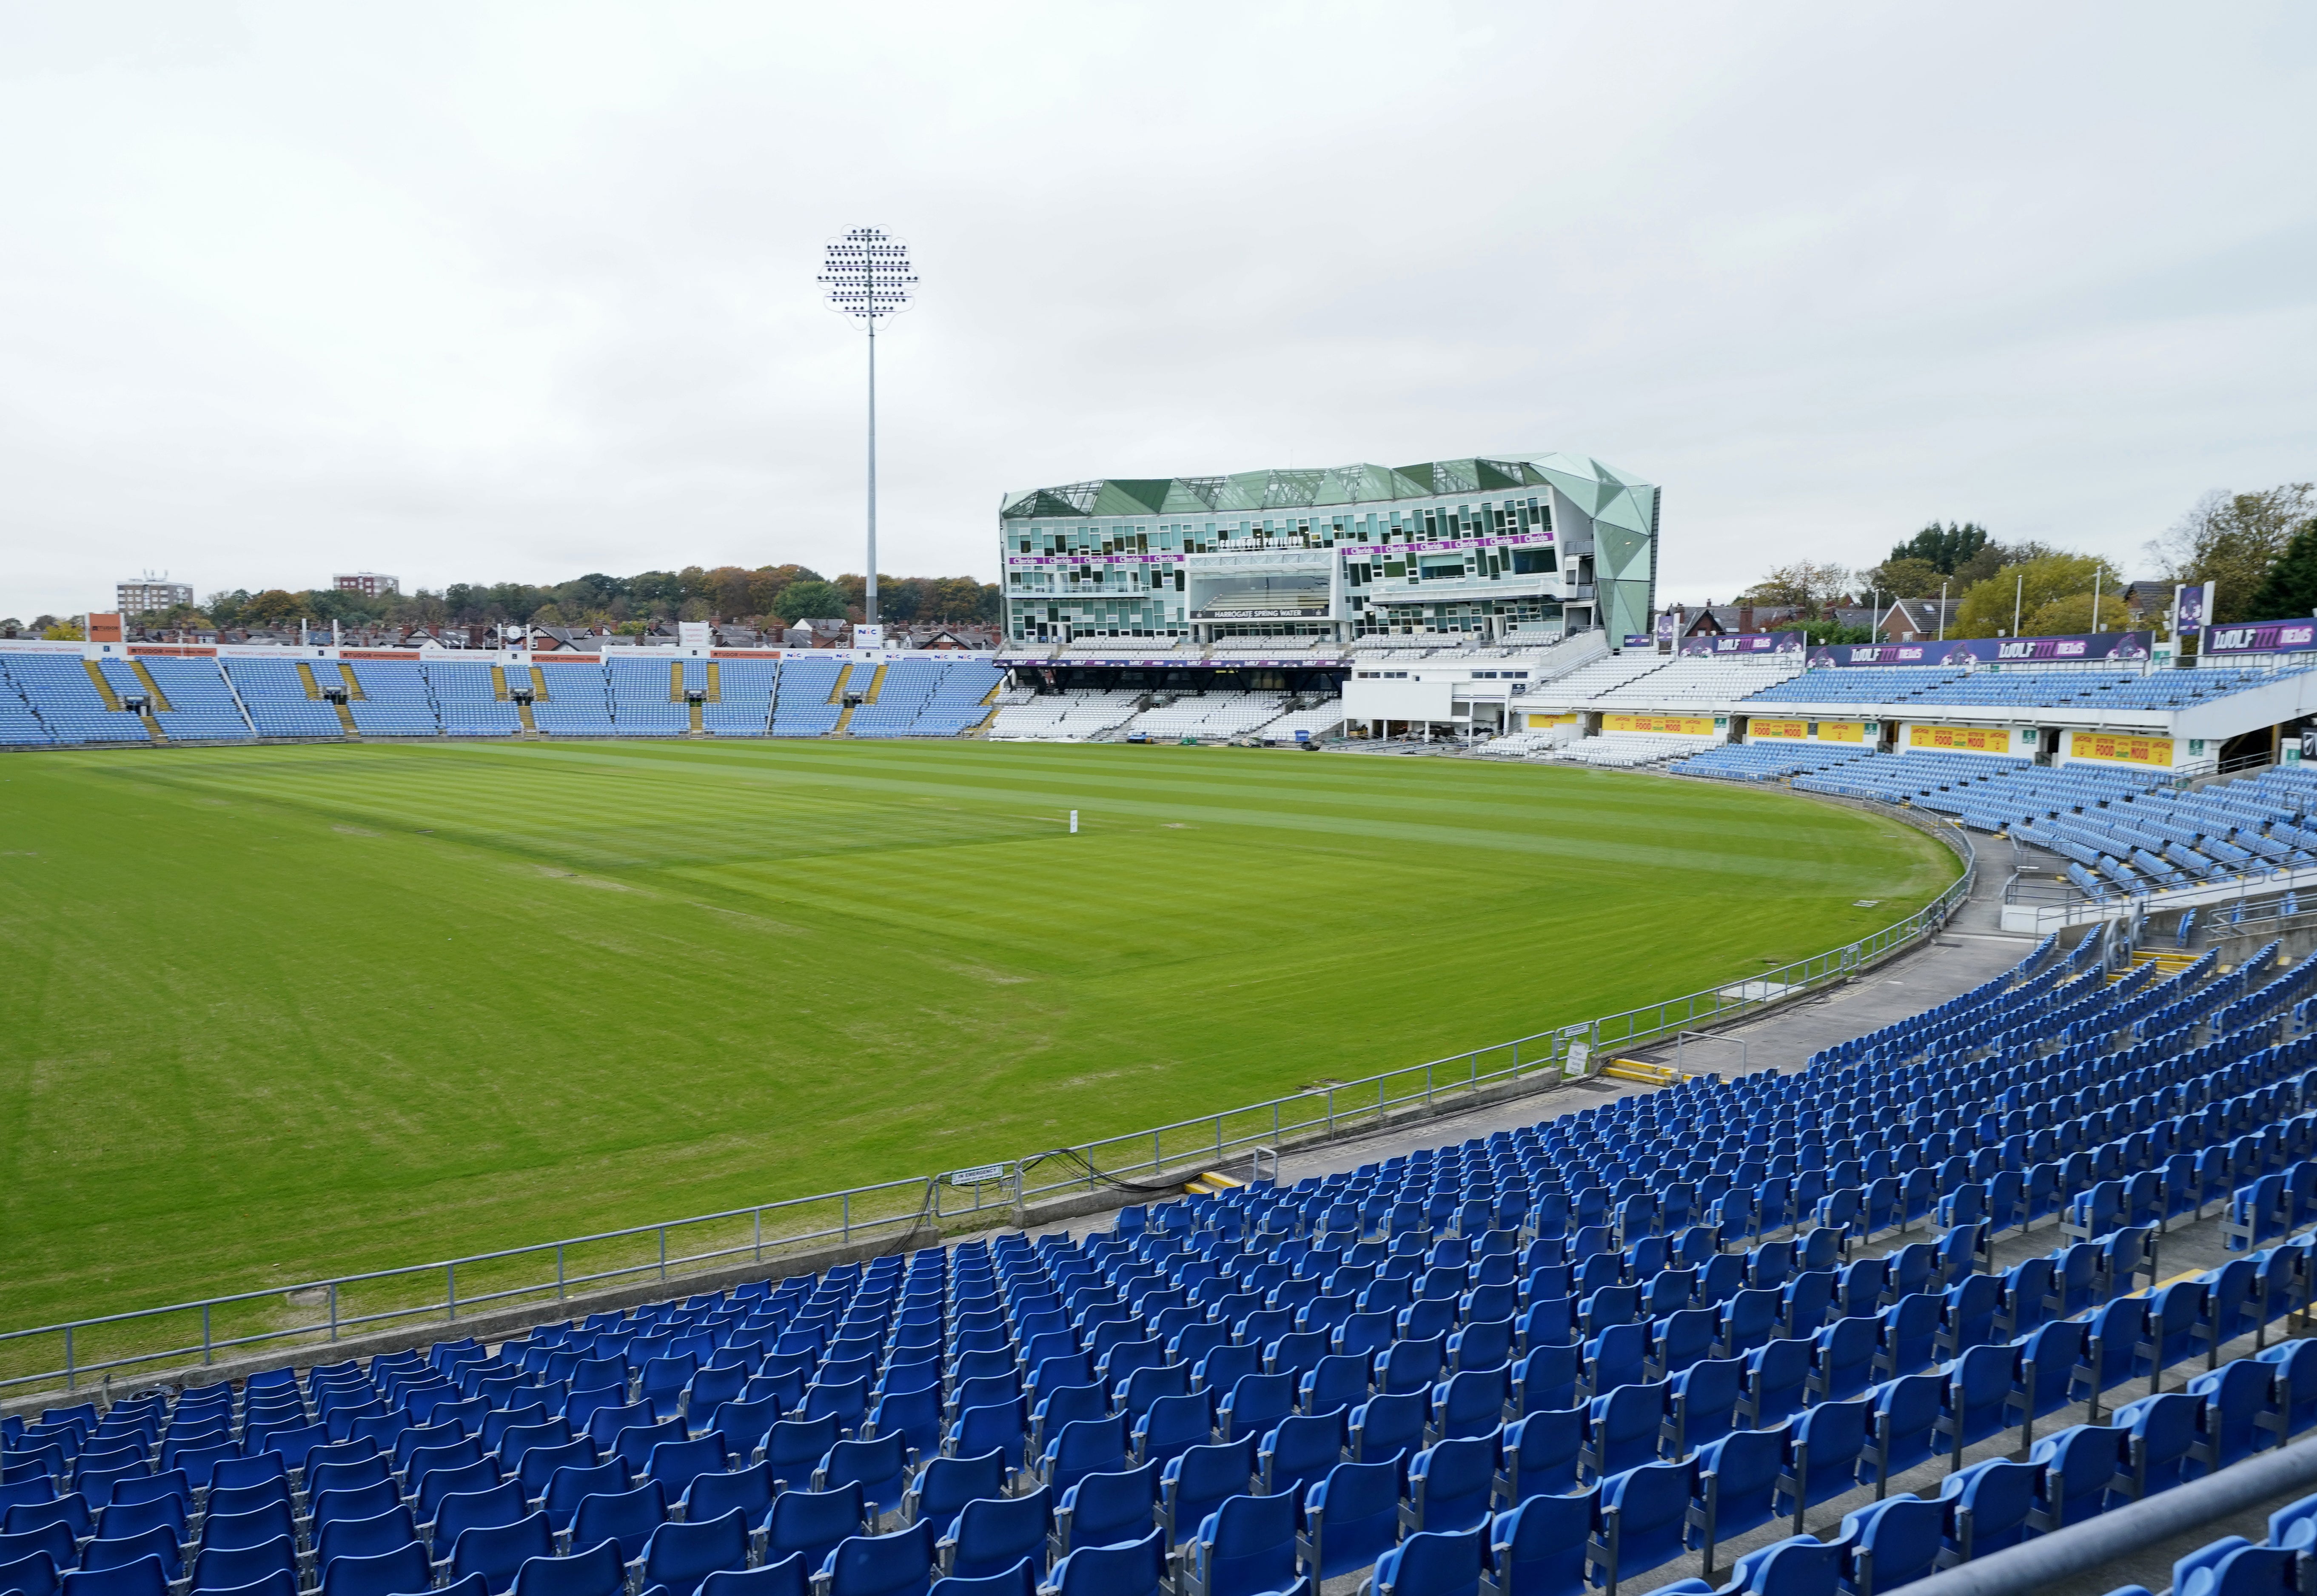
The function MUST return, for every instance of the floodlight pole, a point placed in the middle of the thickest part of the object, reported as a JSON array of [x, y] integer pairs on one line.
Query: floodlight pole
[[1943, 611], [857, 287]]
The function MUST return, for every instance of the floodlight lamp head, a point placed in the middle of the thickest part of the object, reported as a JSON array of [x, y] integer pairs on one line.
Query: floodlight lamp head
[[867, 274]]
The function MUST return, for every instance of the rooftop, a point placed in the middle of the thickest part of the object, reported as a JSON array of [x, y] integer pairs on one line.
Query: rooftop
[[1600, 492]]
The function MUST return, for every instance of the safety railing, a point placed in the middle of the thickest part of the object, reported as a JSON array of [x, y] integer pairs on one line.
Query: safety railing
[[312, 1315], [1144, 1158], [320, 1312]]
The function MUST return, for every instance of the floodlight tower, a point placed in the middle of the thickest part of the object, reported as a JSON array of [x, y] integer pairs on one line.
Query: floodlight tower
[[867, 275]]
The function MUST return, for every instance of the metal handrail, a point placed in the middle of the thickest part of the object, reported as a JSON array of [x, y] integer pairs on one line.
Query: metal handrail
[[918, 1200], [1330, 1110]]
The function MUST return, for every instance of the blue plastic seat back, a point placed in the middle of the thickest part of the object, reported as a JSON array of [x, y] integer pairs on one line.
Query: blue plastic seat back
[[1989, 1505], [2236, 1396], [1645, 1513], [2115, 1328], [1385, 1426], [1737, 1479], [1137, 1568], [364, 1537], [1247, 1546], [404, 1569], [1090, 1446], [1352, 1515], [1906, 1426], [501, 1504], [1545, 1378], [1621, 1428], [1542, 1449], [595, 1571], [880, 1465], [1104, 1509], [1979, 1391], [2296, 1366], [814, 1521], [1892, 1543], [1433, 1563], [1196, 1482], [1824, 1449], [749, 1489], [1471, 1403], [1538, 1548], [1845, 1363], [499, 1552], [2081, 1464], [627, 1517], [990, 1535], [1174, 1424]]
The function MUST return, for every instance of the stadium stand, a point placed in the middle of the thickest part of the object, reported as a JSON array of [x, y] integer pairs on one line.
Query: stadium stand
[[467, 701], [1903, 779], [1599, 675], [391, 699], [926, 697], [2093, 689], [1622, 1339], [1896, 683], [743, 706], [906, 687], [1534, 744], [1627, 750], [18, 724], [643, 695], [1697, 682], [1212, 714], [801, 706], [1076, 714], [1326, 720], [276, 696], [960, 698], [64, 698], [577, 702], [1767, 761], [201, 706]]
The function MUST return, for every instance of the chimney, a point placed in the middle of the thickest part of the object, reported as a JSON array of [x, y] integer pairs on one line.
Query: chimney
[[1745, 617]]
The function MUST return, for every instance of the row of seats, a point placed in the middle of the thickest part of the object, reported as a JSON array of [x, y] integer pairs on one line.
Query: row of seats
[[50, 698], [1767, 761], [1509, 1345]]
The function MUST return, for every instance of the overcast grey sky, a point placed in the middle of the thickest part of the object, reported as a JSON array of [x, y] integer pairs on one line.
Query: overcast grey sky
[[490, 292]]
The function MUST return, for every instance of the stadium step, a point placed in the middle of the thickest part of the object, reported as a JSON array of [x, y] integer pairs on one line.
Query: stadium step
[[676, 681], [698, 730], [876, 681], [715, 684], [1211, 1182], [103, 689], [153, 727], [353, 686], [499, 685], [538, 692], [345, 717], [1642, 1071], [156, 698], [530, 726], [843, 719], [305, 677]]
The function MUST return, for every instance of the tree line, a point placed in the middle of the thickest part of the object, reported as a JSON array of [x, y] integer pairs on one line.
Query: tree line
[[2259, 549], [763, 597]]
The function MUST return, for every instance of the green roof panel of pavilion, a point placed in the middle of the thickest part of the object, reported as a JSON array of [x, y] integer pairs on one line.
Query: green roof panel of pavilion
[[1606, 495]]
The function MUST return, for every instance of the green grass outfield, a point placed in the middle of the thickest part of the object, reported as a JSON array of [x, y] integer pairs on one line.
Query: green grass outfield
[[272, 1013]]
